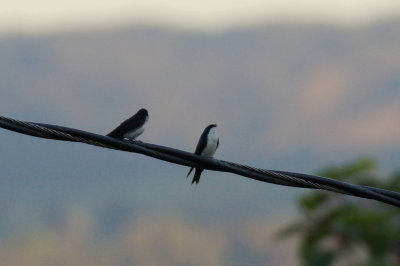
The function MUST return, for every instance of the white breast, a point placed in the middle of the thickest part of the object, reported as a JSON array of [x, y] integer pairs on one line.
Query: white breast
[[133, 134], [212, 142]]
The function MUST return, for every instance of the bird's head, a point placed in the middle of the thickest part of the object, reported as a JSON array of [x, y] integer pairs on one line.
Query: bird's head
[[212, 130], [143, 112], [212, 127]]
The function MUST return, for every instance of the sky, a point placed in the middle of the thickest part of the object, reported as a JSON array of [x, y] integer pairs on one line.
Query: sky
[[208, 15]]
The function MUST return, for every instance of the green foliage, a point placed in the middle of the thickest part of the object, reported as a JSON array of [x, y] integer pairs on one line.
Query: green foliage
[[313, 201], [337, 228]]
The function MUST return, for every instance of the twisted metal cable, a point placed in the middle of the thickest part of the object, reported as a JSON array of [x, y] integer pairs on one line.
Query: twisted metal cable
[[188, 159]]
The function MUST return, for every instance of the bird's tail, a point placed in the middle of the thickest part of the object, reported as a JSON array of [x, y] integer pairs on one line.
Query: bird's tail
[[191, 169], [112, 134], [196, 177]]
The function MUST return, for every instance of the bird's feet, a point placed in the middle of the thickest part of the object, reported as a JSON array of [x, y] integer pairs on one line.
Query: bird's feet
[[135, 141]]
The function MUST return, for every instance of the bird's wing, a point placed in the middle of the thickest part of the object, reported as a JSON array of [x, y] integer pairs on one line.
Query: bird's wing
[[129, 124], [201, 144], [217, 144]]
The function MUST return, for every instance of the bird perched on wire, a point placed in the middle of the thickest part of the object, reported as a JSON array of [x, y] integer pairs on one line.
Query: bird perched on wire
[[207, 145], [132, 127]]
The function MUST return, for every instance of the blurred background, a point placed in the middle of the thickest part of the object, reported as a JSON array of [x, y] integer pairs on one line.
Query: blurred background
[[295, 86]]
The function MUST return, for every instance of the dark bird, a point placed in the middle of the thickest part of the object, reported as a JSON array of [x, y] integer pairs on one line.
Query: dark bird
[[132, 127], [207, 145]]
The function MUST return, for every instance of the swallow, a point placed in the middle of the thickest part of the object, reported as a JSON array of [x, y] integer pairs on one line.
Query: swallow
[[207, 145], [132, 127]]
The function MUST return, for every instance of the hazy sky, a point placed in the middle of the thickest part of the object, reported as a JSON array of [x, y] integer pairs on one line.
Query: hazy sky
[[39, 15]]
